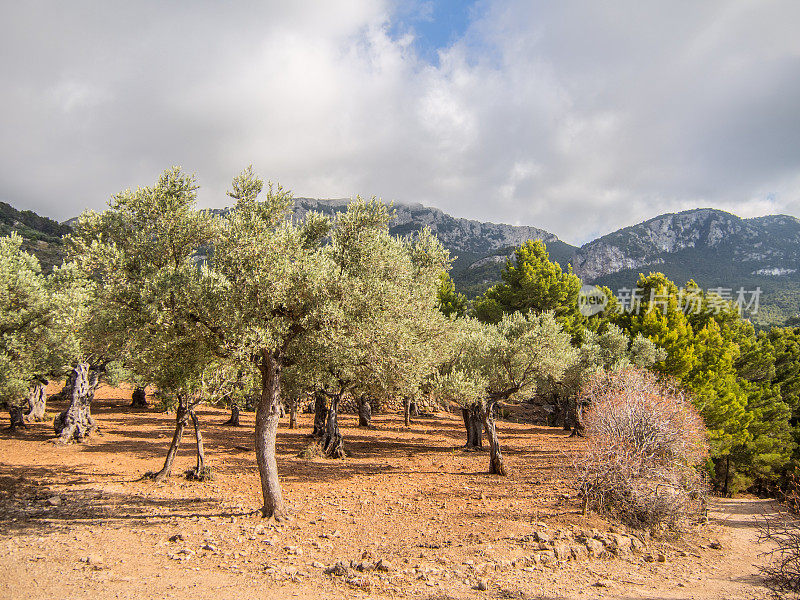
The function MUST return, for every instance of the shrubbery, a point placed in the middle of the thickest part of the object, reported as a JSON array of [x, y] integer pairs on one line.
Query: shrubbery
[[645, 441]]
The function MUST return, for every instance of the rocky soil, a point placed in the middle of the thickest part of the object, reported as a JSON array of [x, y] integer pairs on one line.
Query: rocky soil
[[407, 514]]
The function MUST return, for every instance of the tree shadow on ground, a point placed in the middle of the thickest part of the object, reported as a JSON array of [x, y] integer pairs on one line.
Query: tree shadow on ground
[[26, 508]]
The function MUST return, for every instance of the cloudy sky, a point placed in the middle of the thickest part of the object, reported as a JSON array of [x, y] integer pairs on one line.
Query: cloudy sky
[[578, 117]]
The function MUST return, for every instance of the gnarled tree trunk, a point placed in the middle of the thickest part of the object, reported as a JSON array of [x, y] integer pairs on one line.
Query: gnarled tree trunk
[[332, 443], [200, 472], [473, 422], [364, 412], [577, 406], [139, 398], [76, 422], [496, 465], [320, 414], [181, 418], [293, 413], [37, 403], [16, 415], [267, 417], [407, 411], [234, 420]]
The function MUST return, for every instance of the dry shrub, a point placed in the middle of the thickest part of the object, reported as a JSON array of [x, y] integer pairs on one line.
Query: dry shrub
[[782, 530], [644, 442], [782, 573]]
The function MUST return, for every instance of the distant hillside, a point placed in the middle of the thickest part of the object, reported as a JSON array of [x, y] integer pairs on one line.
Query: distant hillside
[[42, 236], [713, 247], [480, 248]]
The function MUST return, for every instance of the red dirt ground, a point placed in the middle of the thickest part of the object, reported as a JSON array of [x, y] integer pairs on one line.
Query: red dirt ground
[[411, 497]]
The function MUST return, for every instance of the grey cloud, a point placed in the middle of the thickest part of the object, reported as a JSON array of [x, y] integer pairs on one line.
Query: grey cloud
[[575, 117]]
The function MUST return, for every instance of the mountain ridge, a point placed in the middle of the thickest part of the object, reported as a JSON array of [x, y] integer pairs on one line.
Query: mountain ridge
[[711, 246]]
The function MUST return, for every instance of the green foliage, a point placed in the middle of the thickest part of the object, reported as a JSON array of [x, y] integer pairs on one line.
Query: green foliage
[[142, 255], [37, 319], [450, 301], [513, 357], [739, 383], [610, 351], [532, 283]]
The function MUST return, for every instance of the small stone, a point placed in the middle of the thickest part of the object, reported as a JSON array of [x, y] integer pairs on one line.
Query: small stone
[[54, 501], [483, 585], [579, 551], [384, 566], [562, 551], [546, 557], [93, 559], [339, 569], [603, 583], [293, 550], [649, 558], [662, 558], [209, 546], [595, 548], [715, 546], [543, 537], [317, 565], [178, 537], [621, 544], [637, 545]]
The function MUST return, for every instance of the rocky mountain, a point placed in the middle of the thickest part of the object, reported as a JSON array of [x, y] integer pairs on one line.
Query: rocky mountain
[[480, 249], [458, 235], [712, 247], [764, 245]]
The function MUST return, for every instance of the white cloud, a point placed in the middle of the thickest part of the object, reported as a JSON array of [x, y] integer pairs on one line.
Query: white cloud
[[576, 117]]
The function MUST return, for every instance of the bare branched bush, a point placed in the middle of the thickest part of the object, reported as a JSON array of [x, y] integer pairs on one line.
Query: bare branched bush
[[780, 532], [782, 574], [644, 440]]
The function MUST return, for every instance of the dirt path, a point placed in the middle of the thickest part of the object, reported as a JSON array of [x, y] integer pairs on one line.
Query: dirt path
[[734, 575], [409, 496]]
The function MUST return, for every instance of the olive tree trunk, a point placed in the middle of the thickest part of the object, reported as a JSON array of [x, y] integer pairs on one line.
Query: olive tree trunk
[[37, 403], [234, 420], [181, 418], [267, 417], [496, 465], [407, 411], [76, 423], [473, 422], [364, 412], [332, 443], [320, 414], [200, 472], [577, 406], [15, 414], [293, 413], [139, 398]]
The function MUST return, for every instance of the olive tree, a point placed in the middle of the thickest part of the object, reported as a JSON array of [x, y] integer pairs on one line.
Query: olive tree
[[386, 340], [609, 351], [37, 317], [143, 255], [497, 362]]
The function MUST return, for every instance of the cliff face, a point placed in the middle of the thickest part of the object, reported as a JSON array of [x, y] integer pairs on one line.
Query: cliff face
[[764, 245], [457, 235]]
